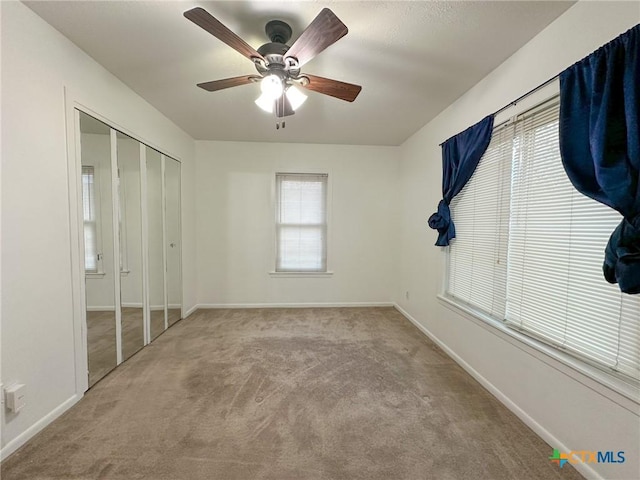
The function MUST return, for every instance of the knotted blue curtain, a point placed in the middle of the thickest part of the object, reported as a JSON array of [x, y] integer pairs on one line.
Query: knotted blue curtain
[[600, 144], [460, 157]]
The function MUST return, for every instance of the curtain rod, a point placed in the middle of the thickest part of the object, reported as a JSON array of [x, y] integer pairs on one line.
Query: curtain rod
[[520, 98]]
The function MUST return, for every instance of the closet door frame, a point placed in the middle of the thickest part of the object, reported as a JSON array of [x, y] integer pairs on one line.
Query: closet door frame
[[76, 226], [165, 266], [145, 245], [117, 247], [74, 104], [179, 227]]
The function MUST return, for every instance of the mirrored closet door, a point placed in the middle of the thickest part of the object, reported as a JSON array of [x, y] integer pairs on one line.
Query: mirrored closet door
[[172, 241], [130, 216], [99, 254], [155, 207], [132, 308]]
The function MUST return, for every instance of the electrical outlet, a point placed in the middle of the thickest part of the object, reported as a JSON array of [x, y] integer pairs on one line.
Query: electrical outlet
[[16, 397]]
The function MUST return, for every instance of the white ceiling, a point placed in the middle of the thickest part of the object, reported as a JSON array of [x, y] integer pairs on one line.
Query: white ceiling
[[413, 59]]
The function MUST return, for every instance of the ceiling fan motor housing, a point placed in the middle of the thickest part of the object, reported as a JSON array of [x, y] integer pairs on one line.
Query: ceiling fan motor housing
[[273, 52], [278, 31]]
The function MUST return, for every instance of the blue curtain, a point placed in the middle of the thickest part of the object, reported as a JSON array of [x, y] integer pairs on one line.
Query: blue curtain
[[600, 144], [460, 157]]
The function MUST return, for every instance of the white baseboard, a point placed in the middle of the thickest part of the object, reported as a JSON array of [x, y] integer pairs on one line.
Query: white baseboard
[[205, 306], [190, 311], [132, 305], [584, 468], [34, 429]]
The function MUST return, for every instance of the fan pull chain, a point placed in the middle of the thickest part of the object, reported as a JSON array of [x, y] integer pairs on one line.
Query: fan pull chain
[[283, 123]]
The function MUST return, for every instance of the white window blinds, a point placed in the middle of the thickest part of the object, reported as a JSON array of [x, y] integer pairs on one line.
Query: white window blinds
[[478, 255], [529, 249], [90, 219], [301, 222], [556, 290]]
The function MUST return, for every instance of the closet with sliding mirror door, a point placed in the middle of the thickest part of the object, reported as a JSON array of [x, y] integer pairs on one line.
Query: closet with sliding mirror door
[[99, 254], [130, 216], [155, 207], [172, 239], [132, 304]]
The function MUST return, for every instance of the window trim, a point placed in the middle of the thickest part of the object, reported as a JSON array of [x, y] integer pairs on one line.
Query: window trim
[[94, 275], [622, 390], [99, 270], [328, 272], [273, 273]]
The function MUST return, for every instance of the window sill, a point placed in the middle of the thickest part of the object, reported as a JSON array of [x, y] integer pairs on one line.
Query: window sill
[[124, 273], [623, 392], [94, 275], [300, 274]]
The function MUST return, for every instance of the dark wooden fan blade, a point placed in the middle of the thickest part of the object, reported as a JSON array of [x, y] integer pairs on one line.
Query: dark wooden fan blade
[[226, 83], [325, 30], [326, 86], [283, 107], [203, 19]]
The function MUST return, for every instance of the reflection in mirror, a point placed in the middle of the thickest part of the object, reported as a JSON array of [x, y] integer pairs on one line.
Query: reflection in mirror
[[156, 254], [174, 280], [97, 210], [130, 221]]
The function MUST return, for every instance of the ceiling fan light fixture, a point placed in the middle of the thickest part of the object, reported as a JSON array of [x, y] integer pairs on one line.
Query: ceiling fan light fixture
[[272, 86], [265, 102], [296, 97]]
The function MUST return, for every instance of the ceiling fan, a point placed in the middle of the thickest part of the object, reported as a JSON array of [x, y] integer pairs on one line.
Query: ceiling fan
[[278, 64]]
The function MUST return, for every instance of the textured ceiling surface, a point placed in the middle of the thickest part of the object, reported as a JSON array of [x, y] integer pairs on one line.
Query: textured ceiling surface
[[413, 59]]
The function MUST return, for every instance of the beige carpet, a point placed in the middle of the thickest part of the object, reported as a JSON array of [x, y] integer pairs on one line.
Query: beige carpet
[[284, 394]]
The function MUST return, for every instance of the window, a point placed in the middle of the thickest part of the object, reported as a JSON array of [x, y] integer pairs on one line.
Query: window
[[92, 257], [478, 255], [529, 249], [301, 222]]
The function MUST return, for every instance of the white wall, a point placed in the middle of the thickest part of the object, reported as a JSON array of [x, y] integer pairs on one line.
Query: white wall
[[38, 63], [235, 247], [568, 412]]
